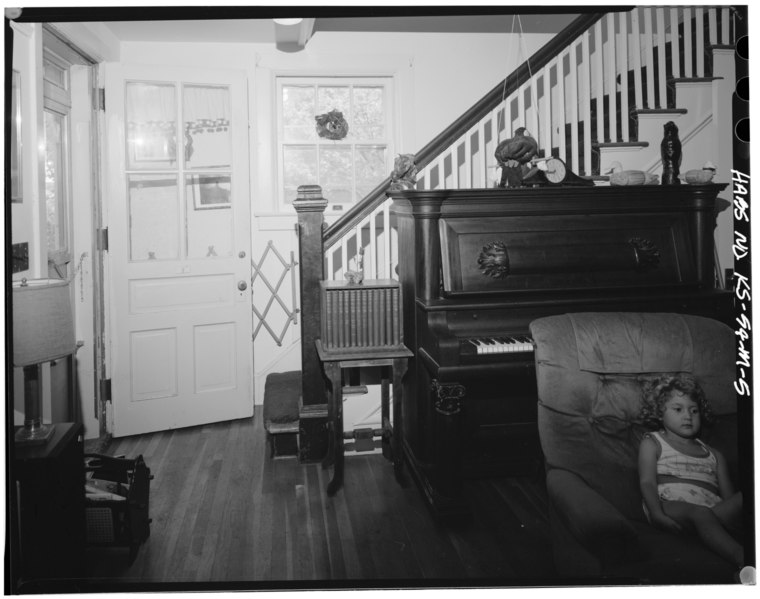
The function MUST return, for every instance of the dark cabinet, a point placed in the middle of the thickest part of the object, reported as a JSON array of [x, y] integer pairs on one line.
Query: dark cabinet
[[49, 518]]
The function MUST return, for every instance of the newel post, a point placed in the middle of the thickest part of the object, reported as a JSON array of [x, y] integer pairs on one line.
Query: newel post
[[312, 434]]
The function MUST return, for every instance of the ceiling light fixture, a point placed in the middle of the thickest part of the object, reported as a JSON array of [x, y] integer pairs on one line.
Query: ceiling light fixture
[[287, 22]]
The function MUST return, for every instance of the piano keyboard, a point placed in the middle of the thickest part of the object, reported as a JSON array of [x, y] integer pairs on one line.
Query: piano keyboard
[[502, 344]]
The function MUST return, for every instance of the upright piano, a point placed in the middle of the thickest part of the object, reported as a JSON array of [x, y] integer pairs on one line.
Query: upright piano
[[477, 266]]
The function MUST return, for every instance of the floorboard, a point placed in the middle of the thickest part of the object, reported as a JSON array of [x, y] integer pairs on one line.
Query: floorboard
[[228, 515]]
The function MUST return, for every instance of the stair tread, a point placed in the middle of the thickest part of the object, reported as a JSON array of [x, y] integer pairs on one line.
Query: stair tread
[[278, 428], [660, 111], [621, 144]]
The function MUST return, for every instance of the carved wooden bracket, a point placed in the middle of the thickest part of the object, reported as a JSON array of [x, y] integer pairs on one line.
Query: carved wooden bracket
[[493, 260], [646, 253], [448, 397]]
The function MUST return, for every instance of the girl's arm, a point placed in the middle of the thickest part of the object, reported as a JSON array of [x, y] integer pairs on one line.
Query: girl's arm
[[648, 451], [725, 486]]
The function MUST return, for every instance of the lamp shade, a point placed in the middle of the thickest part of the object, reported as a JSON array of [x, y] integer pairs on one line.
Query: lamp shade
[[43, 321]]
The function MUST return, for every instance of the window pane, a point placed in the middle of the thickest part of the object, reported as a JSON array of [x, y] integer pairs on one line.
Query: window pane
[[151, 115], [369, 113], [54, 74], [299, 168], [209, 218], [207, 139], [370, 168], [335, 173], [153, 217], [298, 113], [55, 182]]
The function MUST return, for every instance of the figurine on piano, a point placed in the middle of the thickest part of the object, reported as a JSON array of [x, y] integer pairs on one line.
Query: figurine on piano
[[514, 156]]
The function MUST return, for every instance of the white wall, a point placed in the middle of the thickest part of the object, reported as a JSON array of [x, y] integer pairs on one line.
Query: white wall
[[435, 82]]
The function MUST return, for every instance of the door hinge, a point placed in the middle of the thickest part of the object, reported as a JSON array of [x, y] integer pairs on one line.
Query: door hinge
[[105, 390], [103, 239], [99, 99]]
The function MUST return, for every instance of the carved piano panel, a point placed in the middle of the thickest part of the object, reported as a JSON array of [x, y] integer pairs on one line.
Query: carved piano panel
[[479, 265]]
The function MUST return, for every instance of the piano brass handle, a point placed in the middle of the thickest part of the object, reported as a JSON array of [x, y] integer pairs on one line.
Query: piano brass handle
[[493, 260]]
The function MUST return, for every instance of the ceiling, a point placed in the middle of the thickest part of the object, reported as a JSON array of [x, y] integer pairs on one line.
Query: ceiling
[[262, 30]]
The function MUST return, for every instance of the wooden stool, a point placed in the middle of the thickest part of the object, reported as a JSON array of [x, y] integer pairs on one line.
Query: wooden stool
[[333, 363]]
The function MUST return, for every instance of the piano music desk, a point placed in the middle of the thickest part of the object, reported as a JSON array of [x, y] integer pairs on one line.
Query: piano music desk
[[333, 362]]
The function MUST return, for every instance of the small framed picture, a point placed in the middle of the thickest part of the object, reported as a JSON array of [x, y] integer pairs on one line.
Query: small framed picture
[[210, 192]]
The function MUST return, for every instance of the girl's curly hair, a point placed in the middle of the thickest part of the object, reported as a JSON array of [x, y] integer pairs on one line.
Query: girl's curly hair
[[659, 390]]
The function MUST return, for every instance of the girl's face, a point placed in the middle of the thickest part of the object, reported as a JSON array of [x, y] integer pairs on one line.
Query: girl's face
[[680, 415]]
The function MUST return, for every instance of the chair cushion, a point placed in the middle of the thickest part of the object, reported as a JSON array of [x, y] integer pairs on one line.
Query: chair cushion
[[632, 342]]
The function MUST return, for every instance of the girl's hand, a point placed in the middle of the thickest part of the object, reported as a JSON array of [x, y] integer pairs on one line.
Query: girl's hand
[[663, 521]]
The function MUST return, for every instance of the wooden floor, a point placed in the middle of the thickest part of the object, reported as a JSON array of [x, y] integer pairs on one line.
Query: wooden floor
[[227, 515]]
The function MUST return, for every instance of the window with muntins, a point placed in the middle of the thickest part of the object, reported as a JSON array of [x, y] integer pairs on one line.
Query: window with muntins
[[347, 169]]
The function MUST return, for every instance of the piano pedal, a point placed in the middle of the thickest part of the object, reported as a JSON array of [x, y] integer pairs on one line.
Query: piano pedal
[[364, 439]]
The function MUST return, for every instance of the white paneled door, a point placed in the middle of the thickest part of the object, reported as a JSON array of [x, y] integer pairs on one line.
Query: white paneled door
[[179, 270]]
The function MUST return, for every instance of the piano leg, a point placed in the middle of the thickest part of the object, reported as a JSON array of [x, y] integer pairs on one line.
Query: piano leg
[[448, 399], [399, 370]]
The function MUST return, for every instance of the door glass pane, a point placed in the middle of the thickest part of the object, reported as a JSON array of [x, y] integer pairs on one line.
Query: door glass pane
[[369, 113], [55, 181], [298, 113], [335, 168], [370, 168], [209, 217], [151, 126], [153, 217], [207, 134], [299, 168]]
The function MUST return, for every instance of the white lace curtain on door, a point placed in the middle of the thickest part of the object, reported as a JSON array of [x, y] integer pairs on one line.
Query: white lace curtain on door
[[152, 131], [207, 126]]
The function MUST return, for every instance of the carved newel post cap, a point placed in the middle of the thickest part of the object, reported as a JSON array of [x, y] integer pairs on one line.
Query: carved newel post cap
[[309, 198]]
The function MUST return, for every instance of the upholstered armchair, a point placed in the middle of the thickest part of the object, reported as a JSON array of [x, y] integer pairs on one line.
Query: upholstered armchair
[[590, 368]]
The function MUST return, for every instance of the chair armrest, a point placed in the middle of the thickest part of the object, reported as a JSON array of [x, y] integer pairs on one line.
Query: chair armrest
[[593, 521]]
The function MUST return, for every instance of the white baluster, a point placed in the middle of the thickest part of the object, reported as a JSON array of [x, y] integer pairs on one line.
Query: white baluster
[[688, 48], [561, 115], [649, 56], [494, 123], [675, 44], [661, 74], [712, 17], [371, 260], [546, 130], [483, 164], [585, 97], [468, 159], [330, 264], [440, 165], [573, 99], [623, 70], [700, 19], [725, 22], [534, 126], [455, 164], [611, 76], [387, 241], [637, 85], [599, 80]]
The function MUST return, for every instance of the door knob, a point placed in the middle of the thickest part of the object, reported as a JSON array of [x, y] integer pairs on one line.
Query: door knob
[[242, 285]]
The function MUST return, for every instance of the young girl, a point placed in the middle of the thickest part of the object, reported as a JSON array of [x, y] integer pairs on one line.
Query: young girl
[[685, 483]]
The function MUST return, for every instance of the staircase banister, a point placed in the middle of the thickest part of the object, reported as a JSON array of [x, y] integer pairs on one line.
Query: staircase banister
[[522, 74]]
